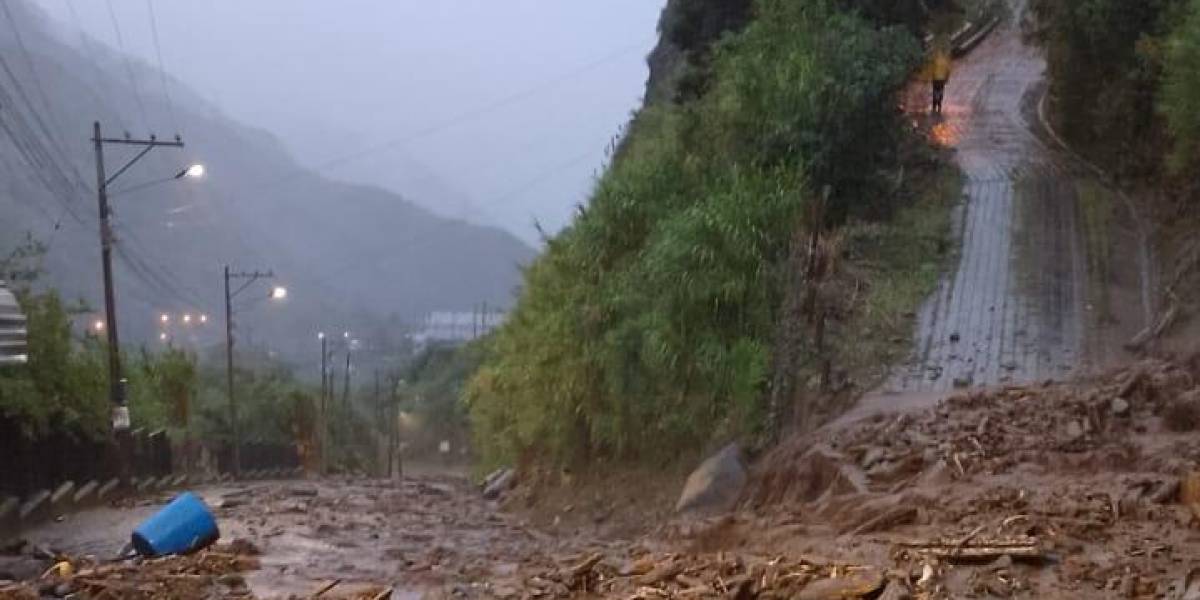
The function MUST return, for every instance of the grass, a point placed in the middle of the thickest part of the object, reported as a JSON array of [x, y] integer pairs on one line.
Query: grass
[[896, 265], [1096, 211]]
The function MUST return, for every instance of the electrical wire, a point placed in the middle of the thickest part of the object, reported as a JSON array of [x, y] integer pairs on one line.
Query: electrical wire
[[137, 94], [162, 71], [452, 121]]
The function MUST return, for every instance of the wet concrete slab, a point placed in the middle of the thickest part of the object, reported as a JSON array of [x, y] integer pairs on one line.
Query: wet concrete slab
[[1020, 304]]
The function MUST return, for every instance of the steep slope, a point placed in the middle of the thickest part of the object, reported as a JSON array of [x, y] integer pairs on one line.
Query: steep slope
[[351, 255]]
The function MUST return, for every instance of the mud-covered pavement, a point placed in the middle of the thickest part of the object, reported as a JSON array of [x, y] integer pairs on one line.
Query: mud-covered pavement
[[423, 534]]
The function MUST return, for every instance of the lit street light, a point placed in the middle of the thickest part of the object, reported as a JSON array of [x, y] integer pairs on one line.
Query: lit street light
[[278, 293], [98, 325], [187, 317], [193, 171], [164, 318]]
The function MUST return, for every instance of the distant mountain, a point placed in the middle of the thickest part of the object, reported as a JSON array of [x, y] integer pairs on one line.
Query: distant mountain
[[353, 256]]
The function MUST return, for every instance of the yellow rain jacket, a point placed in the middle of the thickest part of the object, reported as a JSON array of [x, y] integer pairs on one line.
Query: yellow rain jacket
[[939, 67]]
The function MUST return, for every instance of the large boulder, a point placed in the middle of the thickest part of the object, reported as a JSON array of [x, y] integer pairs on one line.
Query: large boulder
[[716, 485]]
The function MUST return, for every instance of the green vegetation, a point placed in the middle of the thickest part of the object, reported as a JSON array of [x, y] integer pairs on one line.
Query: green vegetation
[[648, 325], [1181, 90], [431, 391], [1125, 82]]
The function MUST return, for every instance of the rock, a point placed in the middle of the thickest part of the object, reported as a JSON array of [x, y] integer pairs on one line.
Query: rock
[[232, 580], [873, 455], [1074, 430], [895, 591], [500, 484], [1182, 414], [716, 485], [1119, 406], [855, 584]]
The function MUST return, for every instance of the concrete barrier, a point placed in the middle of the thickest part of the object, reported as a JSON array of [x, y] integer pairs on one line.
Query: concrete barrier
[[61, 496], [35, 503], [107, 488], [85, 493]]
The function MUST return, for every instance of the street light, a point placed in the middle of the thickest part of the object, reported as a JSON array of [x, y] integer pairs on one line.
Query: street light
[[98, 325], [195, 171], [278, 293], [164, 318], [187, 318]]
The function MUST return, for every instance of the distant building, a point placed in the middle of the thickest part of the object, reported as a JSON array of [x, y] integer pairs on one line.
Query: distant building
[[456, 327], [13, 349]]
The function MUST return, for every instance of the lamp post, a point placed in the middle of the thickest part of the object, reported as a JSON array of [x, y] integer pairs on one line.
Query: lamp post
[[276, 293], [116, 380]]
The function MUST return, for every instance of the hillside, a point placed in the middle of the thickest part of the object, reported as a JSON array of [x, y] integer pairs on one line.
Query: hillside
[[768, 210], [256, 209]]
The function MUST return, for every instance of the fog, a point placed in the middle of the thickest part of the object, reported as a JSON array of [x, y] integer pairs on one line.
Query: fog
[[494, 112]]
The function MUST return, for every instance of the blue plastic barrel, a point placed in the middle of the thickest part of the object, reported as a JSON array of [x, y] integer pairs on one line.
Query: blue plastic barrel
[[183, 525]]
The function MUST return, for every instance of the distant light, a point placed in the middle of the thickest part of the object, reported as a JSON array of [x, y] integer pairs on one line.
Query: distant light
[[187, 318], [203, 318], [278, 293], [98, 325], [346, 334], [195, 171], [162, 336], [320, 335], [165, 318]]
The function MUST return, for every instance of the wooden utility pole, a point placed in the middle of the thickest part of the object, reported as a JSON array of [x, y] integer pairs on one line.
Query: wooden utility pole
[[233, 413], [116, 381], [346, 380], [323, 432]]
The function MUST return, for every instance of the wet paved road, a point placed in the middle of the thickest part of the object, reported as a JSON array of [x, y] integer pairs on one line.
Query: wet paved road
[[1029, 298], [422, 534]]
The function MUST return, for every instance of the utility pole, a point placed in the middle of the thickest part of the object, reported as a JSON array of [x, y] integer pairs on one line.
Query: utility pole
[[233, 413], [324, 431], [233, 418], [346, 375], [116, 380], [379, 415]]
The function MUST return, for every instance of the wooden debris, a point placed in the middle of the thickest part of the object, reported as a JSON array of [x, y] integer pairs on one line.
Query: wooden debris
[[971, 548], [900, 515], [325, 588]]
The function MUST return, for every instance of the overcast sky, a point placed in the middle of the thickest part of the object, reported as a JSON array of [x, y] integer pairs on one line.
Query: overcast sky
[[493, 110]]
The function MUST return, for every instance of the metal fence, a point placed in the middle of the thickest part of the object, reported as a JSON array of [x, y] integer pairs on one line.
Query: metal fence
[[29, 464]]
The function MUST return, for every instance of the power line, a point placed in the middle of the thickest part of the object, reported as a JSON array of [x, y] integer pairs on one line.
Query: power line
[[457, 119], [137, 94], [162, 71], [37, 81]]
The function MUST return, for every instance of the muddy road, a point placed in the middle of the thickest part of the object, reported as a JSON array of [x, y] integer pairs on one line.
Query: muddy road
[[423, 534], [1051, 268]]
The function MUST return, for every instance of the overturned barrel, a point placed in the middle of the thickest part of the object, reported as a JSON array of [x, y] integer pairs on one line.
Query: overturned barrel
[[185, 524]]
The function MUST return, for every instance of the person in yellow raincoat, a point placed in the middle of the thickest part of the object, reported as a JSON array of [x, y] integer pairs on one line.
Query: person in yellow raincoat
[[939, 74]]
